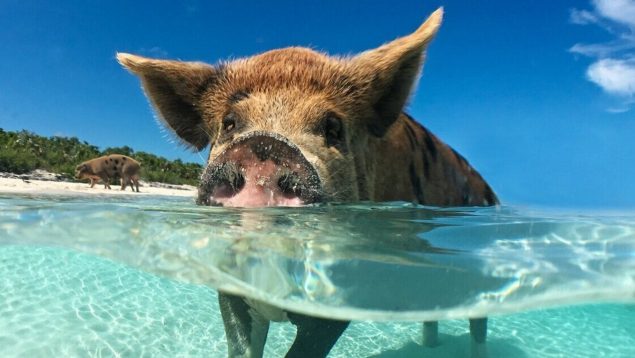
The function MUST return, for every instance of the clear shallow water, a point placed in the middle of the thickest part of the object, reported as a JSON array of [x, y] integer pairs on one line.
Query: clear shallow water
[[94, 276]]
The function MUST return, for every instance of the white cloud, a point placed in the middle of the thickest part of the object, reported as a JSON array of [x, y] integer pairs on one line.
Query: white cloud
[[614, 67], [602, 50], [156, 52], [614, 76], [621, 109], [582, 17], [621, 11]]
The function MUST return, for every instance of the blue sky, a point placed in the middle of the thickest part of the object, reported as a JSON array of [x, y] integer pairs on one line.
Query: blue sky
[[538, 95]]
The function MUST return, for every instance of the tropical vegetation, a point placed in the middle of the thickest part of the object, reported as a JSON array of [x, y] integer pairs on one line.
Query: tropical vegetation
[[24, 151]]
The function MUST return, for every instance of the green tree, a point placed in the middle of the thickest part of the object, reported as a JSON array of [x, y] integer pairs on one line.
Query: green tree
[[24, 151]]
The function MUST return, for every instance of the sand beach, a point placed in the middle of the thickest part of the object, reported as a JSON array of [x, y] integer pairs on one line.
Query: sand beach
[[42, 182]]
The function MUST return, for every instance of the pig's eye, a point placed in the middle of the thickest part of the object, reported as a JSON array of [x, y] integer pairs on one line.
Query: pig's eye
[[229, 123], [333, 130]]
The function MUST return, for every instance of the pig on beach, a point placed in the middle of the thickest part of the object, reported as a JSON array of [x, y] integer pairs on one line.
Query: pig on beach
[[108, 167]]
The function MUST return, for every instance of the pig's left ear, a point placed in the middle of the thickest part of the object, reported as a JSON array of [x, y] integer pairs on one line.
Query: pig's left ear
[[388, 73], [175, 90]]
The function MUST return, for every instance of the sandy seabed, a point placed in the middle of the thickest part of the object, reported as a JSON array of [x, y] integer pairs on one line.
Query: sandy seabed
[[35, 186]]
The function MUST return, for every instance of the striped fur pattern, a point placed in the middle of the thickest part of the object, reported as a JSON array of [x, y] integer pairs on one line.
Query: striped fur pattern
[[346, 117]]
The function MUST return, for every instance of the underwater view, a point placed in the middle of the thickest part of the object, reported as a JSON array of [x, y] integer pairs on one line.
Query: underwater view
[[121, 276]]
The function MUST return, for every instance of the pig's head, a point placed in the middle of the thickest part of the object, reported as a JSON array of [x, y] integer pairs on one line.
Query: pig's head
[[287, 127], [82, 171]]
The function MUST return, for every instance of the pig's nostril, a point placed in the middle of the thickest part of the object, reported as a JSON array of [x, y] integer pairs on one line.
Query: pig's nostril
[[290, 185], [229, 186], [235, 182], [238, 182]]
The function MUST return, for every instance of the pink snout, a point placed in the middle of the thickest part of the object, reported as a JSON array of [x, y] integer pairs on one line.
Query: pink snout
[[260, 169]]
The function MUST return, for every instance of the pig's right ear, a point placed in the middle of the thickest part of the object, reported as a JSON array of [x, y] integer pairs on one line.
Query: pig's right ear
[[175, 89]]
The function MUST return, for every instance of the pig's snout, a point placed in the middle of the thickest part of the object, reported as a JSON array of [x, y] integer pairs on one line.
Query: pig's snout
[[260, 169]]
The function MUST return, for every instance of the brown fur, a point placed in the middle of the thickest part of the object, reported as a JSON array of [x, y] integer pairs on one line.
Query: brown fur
[[110, 166], [344, 114], [291, 91]]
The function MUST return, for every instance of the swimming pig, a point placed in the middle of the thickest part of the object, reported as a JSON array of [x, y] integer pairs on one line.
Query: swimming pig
[[110, 166], [294, 126]]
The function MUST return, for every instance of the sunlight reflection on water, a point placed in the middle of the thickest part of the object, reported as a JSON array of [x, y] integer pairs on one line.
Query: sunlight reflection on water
[[364, 261]]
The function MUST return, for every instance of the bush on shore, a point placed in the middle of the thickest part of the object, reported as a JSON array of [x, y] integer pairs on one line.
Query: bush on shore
[[24, 151]]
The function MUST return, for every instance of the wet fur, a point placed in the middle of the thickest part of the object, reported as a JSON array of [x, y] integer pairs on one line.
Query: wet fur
[[378, 154]]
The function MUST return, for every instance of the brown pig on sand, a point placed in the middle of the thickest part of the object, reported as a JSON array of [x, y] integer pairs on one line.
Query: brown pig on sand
[[109, 166]]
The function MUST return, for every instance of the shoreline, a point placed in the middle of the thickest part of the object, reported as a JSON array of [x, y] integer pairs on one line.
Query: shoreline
[[41, 182]]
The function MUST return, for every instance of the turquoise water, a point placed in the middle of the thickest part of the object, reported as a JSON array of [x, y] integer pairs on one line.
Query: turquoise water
[[100, 276]]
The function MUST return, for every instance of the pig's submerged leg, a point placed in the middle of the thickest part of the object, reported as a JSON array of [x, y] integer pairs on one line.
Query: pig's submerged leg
[[315, 336], [245, 329]]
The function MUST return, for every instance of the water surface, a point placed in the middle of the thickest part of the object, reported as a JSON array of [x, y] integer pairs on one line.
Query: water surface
[[99, 275]]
